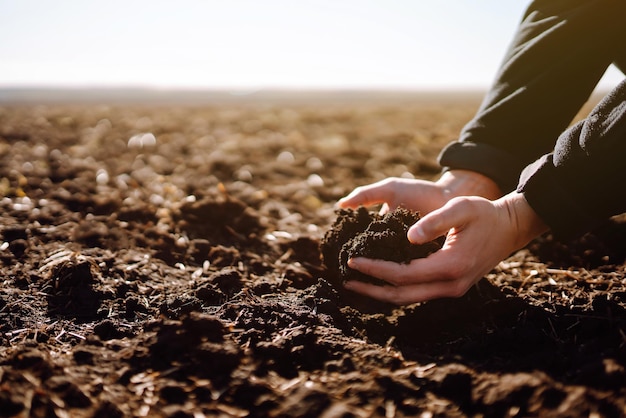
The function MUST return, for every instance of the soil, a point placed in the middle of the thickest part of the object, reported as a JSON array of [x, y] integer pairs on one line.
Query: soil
[[167, 261], [363, 233]]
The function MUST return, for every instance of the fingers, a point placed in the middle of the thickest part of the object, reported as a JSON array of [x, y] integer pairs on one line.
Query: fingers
[[478, 236], [435, 267], [372, 194], [403, 295], [455, 214]]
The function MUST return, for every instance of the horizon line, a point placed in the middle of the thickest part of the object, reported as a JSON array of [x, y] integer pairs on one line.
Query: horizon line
[[137, 94], [209, 95]]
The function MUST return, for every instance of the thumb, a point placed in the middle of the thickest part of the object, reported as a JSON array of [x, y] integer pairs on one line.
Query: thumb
[[421, 232], [437, 223]]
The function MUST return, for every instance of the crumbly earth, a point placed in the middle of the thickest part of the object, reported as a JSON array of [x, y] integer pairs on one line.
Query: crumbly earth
[[165, 260], [360, 233]]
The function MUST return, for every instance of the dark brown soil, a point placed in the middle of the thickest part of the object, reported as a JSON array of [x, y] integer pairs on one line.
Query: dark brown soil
[[166, 261], [361, 233]]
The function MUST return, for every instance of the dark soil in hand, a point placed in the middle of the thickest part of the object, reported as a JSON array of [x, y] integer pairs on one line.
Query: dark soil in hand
[[167, 261], [360, 233]]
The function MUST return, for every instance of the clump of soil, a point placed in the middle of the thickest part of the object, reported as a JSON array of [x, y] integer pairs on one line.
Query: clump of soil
[[72, 281], [360, 233], [198, 341], [218, 219]]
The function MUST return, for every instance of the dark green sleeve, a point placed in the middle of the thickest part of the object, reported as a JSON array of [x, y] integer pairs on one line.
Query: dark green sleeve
[[559, 53]]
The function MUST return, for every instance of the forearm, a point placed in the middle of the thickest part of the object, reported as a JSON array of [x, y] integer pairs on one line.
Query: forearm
[[555, 60], [583, 181]]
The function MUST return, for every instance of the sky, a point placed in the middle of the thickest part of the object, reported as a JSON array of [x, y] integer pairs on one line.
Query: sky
[[254, 44]]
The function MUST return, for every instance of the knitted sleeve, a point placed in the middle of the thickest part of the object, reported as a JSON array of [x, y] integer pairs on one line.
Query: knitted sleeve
[[584, 180], [559, 53]]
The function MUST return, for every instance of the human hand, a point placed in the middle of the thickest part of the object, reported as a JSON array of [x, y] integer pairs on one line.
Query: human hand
[[420, 195], [480, 233]]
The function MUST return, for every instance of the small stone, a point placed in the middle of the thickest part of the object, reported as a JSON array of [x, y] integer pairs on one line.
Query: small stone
[[285, 157], [315, 180]]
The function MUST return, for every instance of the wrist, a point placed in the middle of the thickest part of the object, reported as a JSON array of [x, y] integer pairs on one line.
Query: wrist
[[527, 222], [468, 183]]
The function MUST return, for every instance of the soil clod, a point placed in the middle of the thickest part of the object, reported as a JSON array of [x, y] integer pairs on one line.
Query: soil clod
[[359, 233]]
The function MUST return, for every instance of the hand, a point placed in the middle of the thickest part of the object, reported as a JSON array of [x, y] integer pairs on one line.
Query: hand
[[420, 195], [481, 233]]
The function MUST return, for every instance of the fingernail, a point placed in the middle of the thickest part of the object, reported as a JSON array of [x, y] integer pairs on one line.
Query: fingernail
[[352, 263], [347, 284], [416, 234]]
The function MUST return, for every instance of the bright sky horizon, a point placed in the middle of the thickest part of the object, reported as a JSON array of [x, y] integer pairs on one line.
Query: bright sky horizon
[[247, 44]]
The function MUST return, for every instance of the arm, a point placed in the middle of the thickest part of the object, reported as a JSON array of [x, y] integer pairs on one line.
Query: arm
[[558, 55], [584, 180], [581, 183], [552, 66]]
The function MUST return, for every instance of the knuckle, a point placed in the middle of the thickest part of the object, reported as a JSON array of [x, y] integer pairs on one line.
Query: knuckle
[[461, 201], [398, 278], [390, 183], [406, 277], [458, 289]]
